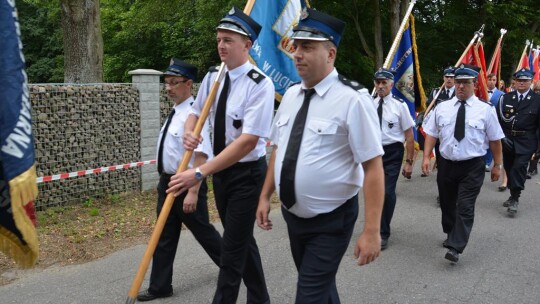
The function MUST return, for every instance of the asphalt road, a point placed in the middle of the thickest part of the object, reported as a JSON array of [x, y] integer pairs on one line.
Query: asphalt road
[[501, 263]]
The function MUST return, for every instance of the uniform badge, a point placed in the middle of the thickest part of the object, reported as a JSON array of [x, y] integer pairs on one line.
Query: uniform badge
[[390, 125], [529, 97], [514, 97], [255, 75], [511, 110]]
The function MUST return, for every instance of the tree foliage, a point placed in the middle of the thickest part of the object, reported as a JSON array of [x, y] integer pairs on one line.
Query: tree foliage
[[147, 33]]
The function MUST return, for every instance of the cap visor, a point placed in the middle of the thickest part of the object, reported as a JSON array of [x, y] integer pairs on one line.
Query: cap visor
[[303, 35], [231, 27]]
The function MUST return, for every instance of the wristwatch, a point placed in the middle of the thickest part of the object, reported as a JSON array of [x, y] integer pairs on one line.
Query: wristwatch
[[198, 174], [409, 161]]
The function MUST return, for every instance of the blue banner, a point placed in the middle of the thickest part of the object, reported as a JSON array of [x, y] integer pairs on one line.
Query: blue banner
[[18, 188], [407, 80], [17, 145], [272, 52]]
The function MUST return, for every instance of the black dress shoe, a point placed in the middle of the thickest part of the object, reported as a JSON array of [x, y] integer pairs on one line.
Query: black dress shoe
[[508, 202], [529, 175], [146, 295], [384, 244], [513, 208], [452, 255], [445, 243]]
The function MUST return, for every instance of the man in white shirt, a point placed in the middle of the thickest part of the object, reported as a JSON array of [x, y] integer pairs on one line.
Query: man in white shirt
[[240, 120], [396, 127], [465, 126], [319, 160], [191, 207]]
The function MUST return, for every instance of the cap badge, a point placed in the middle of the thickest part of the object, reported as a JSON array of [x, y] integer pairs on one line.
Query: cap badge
[[172, 62], [232, 11], [462, 66]]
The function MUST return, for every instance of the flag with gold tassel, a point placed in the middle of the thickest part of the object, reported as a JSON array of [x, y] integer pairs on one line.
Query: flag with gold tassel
[[18, 188]]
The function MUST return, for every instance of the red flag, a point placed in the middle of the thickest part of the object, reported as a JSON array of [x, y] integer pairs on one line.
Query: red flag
[[536, 61], [524, 59], [495, 63], [475, 56]]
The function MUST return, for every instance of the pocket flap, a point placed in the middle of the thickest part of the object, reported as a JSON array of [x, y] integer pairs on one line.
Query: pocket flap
[[320, 126], [283, 120]]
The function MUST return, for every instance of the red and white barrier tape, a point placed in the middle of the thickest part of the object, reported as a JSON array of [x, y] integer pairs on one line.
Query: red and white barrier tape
[[45, 179], [50, 178]]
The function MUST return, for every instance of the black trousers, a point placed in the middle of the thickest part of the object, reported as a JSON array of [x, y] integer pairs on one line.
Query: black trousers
[[317, 246], [459, 184], [515, 166], [237, 190], [197, 222], [392, 159]]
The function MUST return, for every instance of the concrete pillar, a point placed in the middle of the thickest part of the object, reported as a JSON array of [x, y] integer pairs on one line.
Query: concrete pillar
[[147, 81]]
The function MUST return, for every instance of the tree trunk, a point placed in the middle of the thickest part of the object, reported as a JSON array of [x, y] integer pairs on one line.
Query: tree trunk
[[404, 6], [354, 14], [83, 43], [379, 59], [395, 20]]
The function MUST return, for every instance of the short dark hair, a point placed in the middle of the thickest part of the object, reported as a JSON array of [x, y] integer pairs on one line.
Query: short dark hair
[[491, 75]]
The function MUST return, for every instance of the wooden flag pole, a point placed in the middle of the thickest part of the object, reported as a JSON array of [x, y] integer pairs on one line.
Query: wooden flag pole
[[167, 205], [477, 36]]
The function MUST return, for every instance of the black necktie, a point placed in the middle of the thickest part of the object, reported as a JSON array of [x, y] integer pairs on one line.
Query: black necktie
[[219, 122], [490, 92], [459, 131], [379, 111], [520, 97], [448, 93], [162, 141], [288, 169]]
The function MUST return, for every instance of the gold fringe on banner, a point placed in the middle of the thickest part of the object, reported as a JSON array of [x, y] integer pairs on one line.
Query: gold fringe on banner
[[23, 191]]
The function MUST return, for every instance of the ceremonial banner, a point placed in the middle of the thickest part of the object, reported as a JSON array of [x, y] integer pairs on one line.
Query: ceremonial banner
[[524, 59], [18, 188], [495, 64], [475, 56], [535, 62], [273, 51], [407, 80]]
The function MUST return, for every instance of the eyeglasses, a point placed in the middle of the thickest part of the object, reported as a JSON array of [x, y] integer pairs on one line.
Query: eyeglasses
[[175, 83], [461, 82]]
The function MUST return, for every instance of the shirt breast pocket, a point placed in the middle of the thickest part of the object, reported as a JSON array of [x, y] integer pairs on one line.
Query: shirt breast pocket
[[320, 134], [477, 131], [391, 123], [236, 118], [281, 126]]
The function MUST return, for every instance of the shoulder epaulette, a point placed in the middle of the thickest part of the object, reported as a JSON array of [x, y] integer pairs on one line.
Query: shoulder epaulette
[[488, 102], [256, 76], [398, 99], [213, 69], [351, 83]]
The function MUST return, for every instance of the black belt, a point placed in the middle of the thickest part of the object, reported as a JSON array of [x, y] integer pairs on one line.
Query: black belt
[[463, 161], [516, 133], [247, 164], [395, 145]]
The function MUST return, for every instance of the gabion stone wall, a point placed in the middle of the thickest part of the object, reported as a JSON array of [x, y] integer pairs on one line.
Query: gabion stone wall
[[80, 127]]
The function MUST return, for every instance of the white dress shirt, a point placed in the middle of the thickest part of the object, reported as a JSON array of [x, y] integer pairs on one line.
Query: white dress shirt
[[341, 132], [250, 102], [481, 127], [173, 148], [396, 119]]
